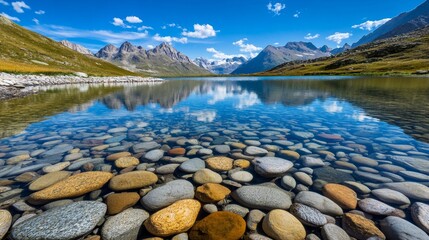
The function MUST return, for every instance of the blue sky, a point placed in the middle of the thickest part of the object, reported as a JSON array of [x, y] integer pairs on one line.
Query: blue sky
[[210, 28]]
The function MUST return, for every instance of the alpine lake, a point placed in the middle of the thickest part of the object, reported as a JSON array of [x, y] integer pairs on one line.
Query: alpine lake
[[219, 158]]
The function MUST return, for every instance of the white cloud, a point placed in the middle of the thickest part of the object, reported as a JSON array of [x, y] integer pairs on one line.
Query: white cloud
[[19, 6], [220, 55], [311, 37], [369, 25], [338, 37], [276, 8], [119, 23], [3, 2], [333, 107], [204, 116], [201, 31], [247, 48], [61, 32], [142, 28], [133, 19], [276, 43], [150, 46], [36, 21], [172, 25], [40, 12], [169, 39], [296, 15], [10, 17]]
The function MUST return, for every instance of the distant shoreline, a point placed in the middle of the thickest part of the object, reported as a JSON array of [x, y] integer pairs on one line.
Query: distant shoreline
[[17, 85]]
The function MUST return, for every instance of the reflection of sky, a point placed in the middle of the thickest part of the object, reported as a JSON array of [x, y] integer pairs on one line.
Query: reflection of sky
[[220, 93]]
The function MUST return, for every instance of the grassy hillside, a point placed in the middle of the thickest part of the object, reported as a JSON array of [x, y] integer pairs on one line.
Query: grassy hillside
[[23, 51], [405, 54]]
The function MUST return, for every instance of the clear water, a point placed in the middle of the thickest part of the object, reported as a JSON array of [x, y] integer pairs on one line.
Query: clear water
[[366, 112]]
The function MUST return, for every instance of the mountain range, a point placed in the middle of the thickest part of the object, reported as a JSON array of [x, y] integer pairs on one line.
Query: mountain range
[[78, 48], [223, 66], [163, 60], [403, 23]]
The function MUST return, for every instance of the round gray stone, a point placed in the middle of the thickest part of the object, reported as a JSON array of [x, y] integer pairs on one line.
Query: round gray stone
[[262, 197], [66, 222], [255, 151], [307, 215], [168, 194], [391, 196], [331, 231], [321, 203], [192, 165], [125, 225], [271, 166], [420, 215], [396, 228], [154, 155]]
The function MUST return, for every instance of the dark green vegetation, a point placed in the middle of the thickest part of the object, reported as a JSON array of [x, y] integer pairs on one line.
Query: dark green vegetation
[[404, 54], [23, 51]]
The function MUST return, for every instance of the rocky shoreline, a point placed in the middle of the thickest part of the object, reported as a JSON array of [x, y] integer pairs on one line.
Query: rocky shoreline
[[16, 86]]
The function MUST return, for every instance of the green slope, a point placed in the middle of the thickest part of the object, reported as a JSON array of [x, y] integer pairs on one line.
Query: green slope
[[405, 54], [23, 51]]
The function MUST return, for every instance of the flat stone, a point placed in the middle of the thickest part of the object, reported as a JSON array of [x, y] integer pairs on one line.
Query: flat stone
[[125, 162], [345, 197], [376, 207], [331, 175], [154, 155], [255, 151], [168, 194], [67, 222], [412, 190], [321, 203], [254, 218], [5, 222], [307, 215], [391, 196], [56, 167], [192, 165], [417, 164], [241, 176], [48, 180], [118, 202], [206, 176], [145, 146], [59, 149], [219, 225], [73, 157], [280, 224], [222, 149], [357, 187], [303, 135], [132, 180], [420, 215], [74, 186], [262, 197], [57, 203], [312, 162], [303, 178], [271, 166], [331, 231], [17, 159], [400, 229], [125, 225], [360, 227], [237, 209], [288, 182], [416, 176], [211, 192], [167, 169], [376, 178], [176, 218], [364, 161], [115, 156], [220, 163]]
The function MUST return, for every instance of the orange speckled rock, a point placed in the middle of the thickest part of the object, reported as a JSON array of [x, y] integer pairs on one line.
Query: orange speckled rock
[[177, 151], [211, 192], [125, 162], [360, 227], [74, 186], [219, 225], [176, 218], [118, 202], [341, 195], [241, 163], [132, 180], [220, 163]]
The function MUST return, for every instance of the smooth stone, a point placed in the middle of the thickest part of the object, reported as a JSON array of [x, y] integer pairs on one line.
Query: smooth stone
[[345, 197], [376, 207], [241, 176], [118, 202], [72, 157], [397, 228], [192, 165], [125, 225], [205, 151], [290, 154], [303, 178], [364, 161], [255, 151], [357, 187], [360, 227], [57, 203], [125, 162], [333, 232], [238, 145], [282, 225], [321, 203], [307, 215], [154, 155], [416, 176], [412, 190], [145, 146], [167, 169], [181, 236], [206, 176], [210, 208], [241, 163], [253, 143], [117, 130], [5, 222], [222, 149], [176, 218], [48, 180], [254, 217], [81, 162], [30, 168], [372, 177], [220, 163], [115, 156], [219, 225], [56, 167], [391, 196], [168, 194], [177, 152], [59, 149], [312, 162], [417, 164], [132, 180], [256, 236], [288, 182], [331, 175], [17, 159], [303, 135], [73, 186], [271, 166], [26, 177], [237, 209], [67, 222], [420, 215], [262, 197], [211, 192]]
